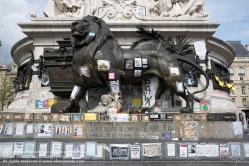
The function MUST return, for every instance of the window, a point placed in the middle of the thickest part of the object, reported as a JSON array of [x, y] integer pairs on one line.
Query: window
[[243, 90], [231, 71], [241, 71], [244, 101]]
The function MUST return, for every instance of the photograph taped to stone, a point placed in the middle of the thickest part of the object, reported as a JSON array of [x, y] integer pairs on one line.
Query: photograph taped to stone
[[75, 91], [85, 71], [138, 62], [137, 73], [174, 71], [129, 64], [103, 65]]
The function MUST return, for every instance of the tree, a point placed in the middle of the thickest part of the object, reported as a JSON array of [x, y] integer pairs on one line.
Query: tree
[[6, 90]]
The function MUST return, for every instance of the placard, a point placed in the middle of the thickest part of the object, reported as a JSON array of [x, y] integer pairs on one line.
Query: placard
[[128, 64], [135, 151], [171, 150], [207, 151], [191, 150], [44, 129], [6, 150], [43, 149], [68, 150], [76, 152], [19, 129], [183, 150], [56, 149], [205, 105], [90, 149], [138, 62], [100, 151], [63, 129], [29, 150], [151, 150], [237, 128], [200, 49], [8, 129], [41, 103], [77, 130], [215, 150], [18, 149], [224, 150], [246, 149], [30, 128], [200, 150], [119, 151], [235, 149]]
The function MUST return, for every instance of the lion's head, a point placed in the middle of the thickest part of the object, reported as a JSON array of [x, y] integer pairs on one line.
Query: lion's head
[[88, 29], [88, 36]]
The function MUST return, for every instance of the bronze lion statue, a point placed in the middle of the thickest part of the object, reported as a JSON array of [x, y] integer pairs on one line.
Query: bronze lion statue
[[92, 41]]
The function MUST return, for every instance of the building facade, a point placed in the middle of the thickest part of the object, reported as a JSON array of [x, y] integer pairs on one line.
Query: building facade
[[239, 73]]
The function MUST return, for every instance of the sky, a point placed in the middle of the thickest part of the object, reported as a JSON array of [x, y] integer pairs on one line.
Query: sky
[[232, 15]]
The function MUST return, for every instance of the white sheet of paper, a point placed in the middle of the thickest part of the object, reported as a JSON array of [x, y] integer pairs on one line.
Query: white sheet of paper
[[99, 151], [56, 149], [19, 128], [199, 150], [7, 150], [68, 150], [171, 148], [174, 70], [207, 150], [183, 150], [200, 49], [246, 149], [90, 149], [224, 149], [214, 150], [30, 129], [82, 150], [75, 91], [237, 128], [18, 149], [43, 150], [235, 150], [135, 152]]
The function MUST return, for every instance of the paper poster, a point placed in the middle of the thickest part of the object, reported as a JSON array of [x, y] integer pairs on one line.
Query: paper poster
[[237, 128], [43, 150], [189, 130], [6, 150], [18, 149], [174, 71], [82, 151], [207, 151], [235, 150], [205, 105], [199, 150], [166, 135], [90, 148], [19, 129], [76, 152], [115, 88], [68, 151], [30, 129], [200, 49], [150, 87], [215, 150], [56, 149], [191, 150], [8, 128], [135, 151], [183, 150], [44, 130], [246, 149], [99, 153], [224, 150], [171, 148], [119, 151], [29, 150]]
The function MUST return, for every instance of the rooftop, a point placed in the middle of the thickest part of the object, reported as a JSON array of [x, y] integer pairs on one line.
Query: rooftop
[[240, 50]]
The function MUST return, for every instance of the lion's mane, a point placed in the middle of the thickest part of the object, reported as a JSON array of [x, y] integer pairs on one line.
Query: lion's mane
[[86, 47]]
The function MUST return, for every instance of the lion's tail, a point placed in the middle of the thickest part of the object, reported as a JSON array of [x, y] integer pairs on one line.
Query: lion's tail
[[181, 58]]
